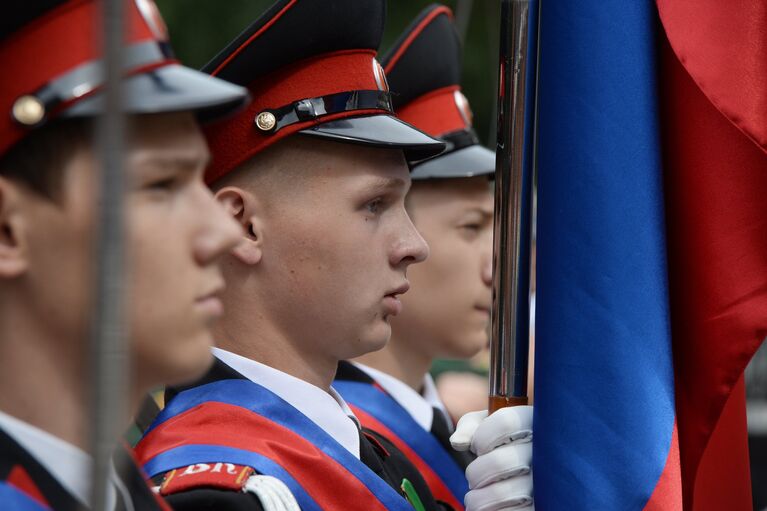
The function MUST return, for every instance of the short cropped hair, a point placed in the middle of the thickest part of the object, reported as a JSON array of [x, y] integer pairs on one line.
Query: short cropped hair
[[37, 161]]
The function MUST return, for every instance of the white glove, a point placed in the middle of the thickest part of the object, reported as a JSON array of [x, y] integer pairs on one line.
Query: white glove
[[500, 477]]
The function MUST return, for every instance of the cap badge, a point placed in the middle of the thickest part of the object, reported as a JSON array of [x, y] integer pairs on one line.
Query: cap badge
[[380, 76], [28, 110], [463, 107], [265, 121], [153, 19]]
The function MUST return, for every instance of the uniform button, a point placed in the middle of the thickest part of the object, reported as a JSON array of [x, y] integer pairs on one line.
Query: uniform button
[[28, 110], [265, 121]]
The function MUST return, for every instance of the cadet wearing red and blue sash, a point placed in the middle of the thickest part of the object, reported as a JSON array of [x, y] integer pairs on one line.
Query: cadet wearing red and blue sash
[[318, 145], [214, 435], [53, 62], [445, 314]]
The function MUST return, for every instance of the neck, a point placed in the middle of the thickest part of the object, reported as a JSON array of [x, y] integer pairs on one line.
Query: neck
[[400, 359], [41, 377], [257, 338]]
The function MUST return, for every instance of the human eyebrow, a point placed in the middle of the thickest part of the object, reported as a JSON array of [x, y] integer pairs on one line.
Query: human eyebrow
[[385, 184], [483, 212], [186, 163]]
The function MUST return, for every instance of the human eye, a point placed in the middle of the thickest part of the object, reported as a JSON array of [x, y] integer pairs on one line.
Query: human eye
[[374, 206], [471, 226], [162, 184], [470, 231]]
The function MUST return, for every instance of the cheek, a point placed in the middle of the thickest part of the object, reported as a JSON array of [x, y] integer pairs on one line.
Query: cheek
[[444, 291], [160, 258], [431, 301], [61, 264], [448, 274], [331, 256], [162, 282]]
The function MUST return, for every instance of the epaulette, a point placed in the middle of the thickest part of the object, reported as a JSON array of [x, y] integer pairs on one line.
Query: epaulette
[[222, 476]]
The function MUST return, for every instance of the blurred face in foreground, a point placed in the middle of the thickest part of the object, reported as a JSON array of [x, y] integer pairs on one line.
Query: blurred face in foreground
[[174, 233], [447, 310], [328, 247]]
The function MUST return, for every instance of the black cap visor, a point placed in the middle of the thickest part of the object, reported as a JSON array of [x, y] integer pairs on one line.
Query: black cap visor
[[474, 160], [381, 130], [171, 88]]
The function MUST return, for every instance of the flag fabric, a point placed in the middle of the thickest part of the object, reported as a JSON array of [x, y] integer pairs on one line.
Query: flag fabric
[[604, 388], [714, 93], [651, 252]]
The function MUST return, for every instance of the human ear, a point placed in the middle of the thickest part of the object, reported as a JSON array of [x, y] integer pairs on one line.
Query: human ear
[[13, 256], [243, 207]]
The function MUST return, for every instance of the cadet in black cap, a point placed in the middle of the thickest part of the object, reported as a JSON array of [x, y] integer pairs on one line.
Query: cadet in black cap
[[174, 230], [447, 310], [315, 171]]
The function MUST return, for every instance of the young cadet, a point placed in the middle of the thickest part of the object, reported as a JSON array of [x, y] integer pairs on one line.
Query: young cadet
[[446, 312], [175, 233], [314, 171]]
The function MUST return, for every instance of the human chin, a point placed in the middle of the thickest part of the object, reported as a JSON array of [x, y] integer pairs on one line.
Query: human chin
[[374, 338], [191, 358], [471, 342], [173, 360]]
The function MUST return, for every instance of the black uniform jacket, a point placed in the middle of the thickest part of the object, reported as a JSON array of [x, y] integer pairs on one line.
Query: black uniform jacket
[[439, 426], [376, 452], [21, 470]]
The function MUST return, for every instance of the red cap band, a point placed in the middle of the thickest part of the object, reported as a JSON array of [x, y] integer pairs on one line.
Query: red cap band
[[235, 140], [439, 112], [58, 42]]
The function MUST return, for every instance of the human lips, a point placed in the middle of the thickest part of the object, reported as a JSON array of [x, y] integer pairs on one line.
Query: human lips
[[391, 300], [484, 308], [209, 303]]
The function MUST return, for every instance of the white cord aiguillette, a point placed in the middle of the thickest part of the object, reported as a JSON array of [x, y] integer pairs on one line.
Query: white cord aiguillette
[[273, 493]]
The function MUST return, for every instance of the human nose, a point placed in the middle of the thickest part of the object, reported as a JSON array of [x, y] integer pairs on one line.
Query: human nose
[[487, 269], [219, 232], [411, 247]]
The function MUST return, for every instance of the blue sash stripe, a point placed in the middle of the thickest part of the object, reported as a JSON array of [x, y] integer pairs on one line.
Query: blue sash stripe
[[257, 399], [191, 454], [392, 415], [16, 500]]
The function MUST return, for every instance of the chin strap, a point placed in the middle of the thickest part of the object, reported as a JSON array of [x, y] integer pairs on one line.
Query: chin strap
[[272, 120]]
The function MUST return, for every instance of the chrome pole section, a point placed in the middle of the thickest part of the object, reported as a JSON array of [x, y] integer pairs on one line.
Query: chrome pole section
[[514, 173], [109, 356]]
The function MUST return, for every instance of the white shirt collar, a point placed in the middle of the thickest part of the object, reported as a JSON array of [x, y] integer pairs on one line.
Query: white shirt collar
[[326, 409], [68, 464], [419, 406]]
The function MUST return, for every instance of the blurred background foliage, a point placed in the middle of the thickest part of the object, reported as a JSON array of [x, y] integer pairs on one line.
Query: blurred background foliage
[[199, 29]]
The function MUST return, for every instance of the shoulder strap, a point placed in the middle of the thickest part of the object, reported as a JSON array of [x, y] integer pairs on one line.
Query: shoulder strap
[[380, 412]]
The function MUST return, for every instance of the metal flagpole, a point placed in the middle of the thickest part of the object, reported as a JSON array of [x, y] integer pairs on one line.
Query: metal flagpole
[[109, 358], [514, 173]]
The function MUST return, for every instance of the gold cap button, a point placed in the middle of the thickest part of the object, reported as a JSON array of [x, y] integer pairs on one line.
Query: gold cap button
[[265, 121], [28, 110]]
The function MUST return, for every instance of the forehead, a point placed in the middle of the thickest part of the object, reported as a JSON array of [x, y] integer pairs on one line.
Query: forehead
[[476, 192], [344, 166], [175, 134]]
